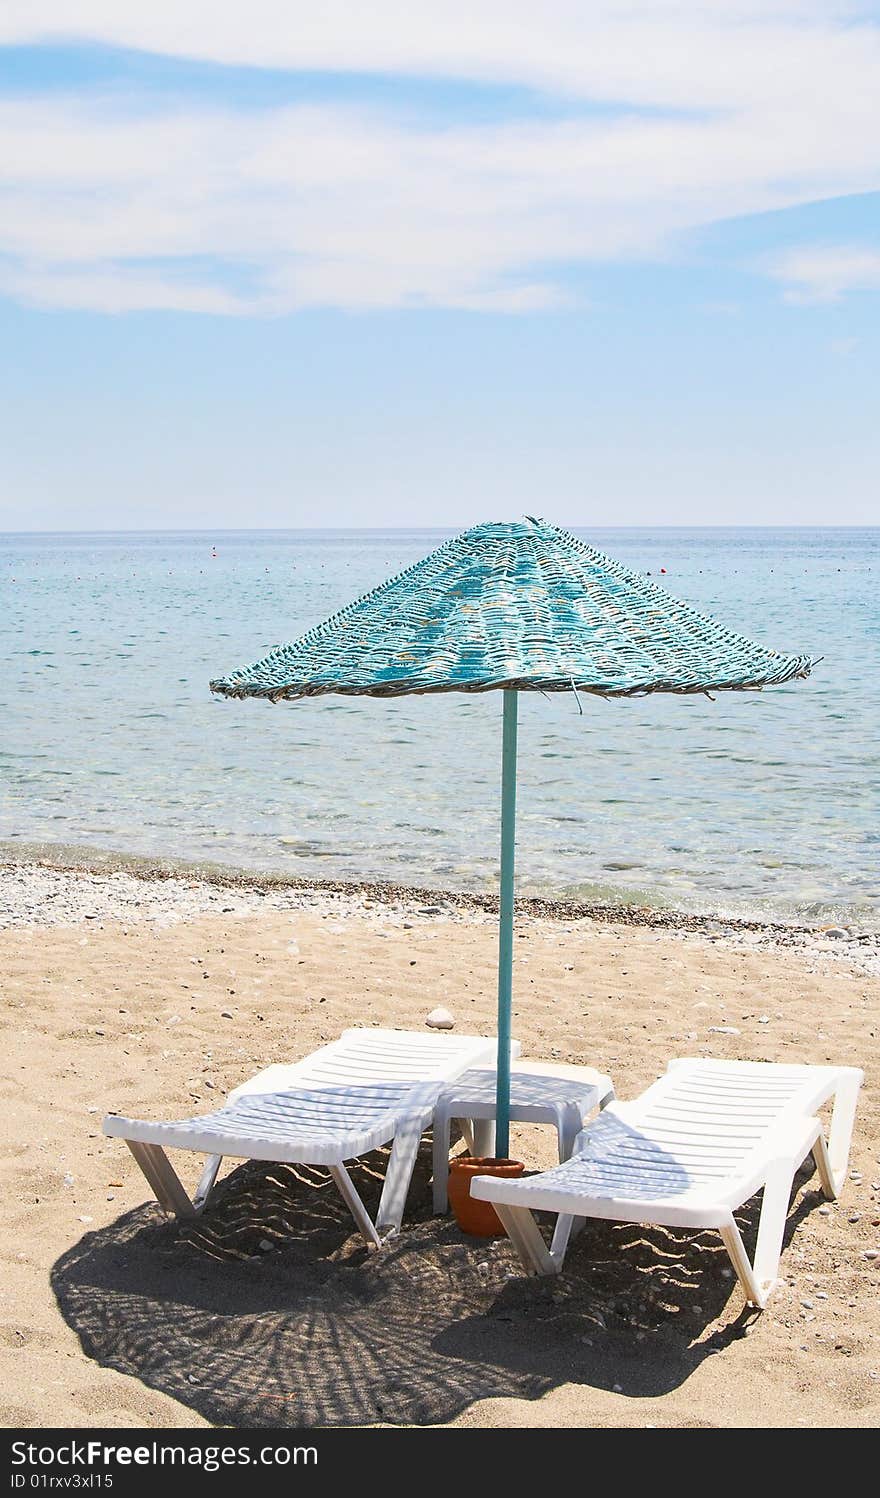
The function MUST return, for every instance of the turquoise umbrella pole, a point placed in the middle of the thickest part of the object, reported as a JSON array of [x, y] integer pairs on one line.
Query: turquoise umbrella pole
[[505, 931]]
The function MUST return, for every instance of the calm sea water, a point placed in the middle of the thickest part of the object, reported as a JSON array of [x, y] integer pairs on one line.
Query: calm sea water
[[762, 802]]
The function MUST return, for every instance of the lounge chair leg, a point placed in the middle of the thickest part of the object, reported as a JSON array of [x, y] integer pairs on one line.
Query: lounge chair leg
[[740, 1261], [759, 1279], [355, 1206], [162, 1177], [440, 1160], [771, 1227], [483, 1138], [823, 1166], [577, 1226], [206, 1182], [392, 1203], [840, 1135], [561, 1236], [442, 1145], [524, 1233]]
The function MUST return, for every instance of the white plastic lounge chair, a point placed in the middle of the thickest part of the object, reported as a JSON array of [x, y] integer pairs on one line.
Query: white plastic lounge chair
[[367, 1089], [688, 1153]]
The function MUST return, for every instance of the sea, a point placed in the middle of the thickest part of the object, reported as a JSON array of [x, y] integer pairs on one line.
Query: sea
[[757, 804]]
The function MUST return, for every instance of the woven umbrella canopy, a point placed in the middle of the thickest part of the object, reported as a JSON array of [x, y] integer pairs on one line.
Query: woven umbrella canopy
[[520, 607]]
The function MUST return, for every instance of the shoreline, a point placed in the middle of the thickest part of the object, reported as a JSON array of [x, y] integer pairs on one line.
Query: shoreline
[[66, 886]]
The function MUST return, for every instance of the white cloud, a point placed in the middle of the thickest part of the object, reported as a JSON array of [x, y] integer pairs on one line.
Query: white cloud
[[824, 273], [696, 53], [146, 204], [110, 288]]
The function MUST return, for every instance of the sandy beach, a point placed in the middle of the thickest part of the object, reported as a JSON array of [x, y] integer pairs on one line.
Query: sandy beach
[[154, 997]]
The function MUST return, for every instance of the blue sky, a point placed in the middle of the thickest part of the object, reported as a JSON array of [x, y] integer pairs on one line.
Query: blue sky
[[294, 265]]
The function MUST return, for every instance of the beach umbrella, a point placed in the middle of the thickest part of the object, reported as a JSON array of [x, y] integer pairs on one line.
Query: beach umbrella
[[515, 607]]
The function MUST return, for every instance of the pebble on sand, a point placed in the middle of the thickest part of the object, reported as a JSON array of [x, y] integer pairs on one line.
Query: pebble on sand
[[440, 1019]]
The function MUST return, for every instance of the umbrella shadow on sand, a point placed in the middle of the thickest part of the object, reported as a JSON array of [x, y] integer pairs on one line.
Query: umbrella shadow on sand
[[268, 1311]]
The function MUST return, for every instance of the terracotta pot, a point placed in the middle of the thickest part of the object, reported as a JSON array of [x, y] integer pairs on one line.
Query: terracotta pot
[[473, 1216]]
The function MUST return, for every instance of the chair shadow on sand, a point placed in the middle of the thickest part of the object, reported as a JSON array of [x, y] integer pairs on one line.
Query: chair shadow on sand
[[268, 1311]]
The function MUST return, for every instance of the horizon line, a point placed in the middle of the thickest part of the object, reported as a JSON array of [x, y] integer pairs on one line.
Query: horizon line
[[424, 529]]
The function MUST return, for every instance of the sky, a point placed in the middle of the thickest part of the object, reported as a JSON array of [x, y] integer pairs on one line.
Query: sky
[[286, 264]]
